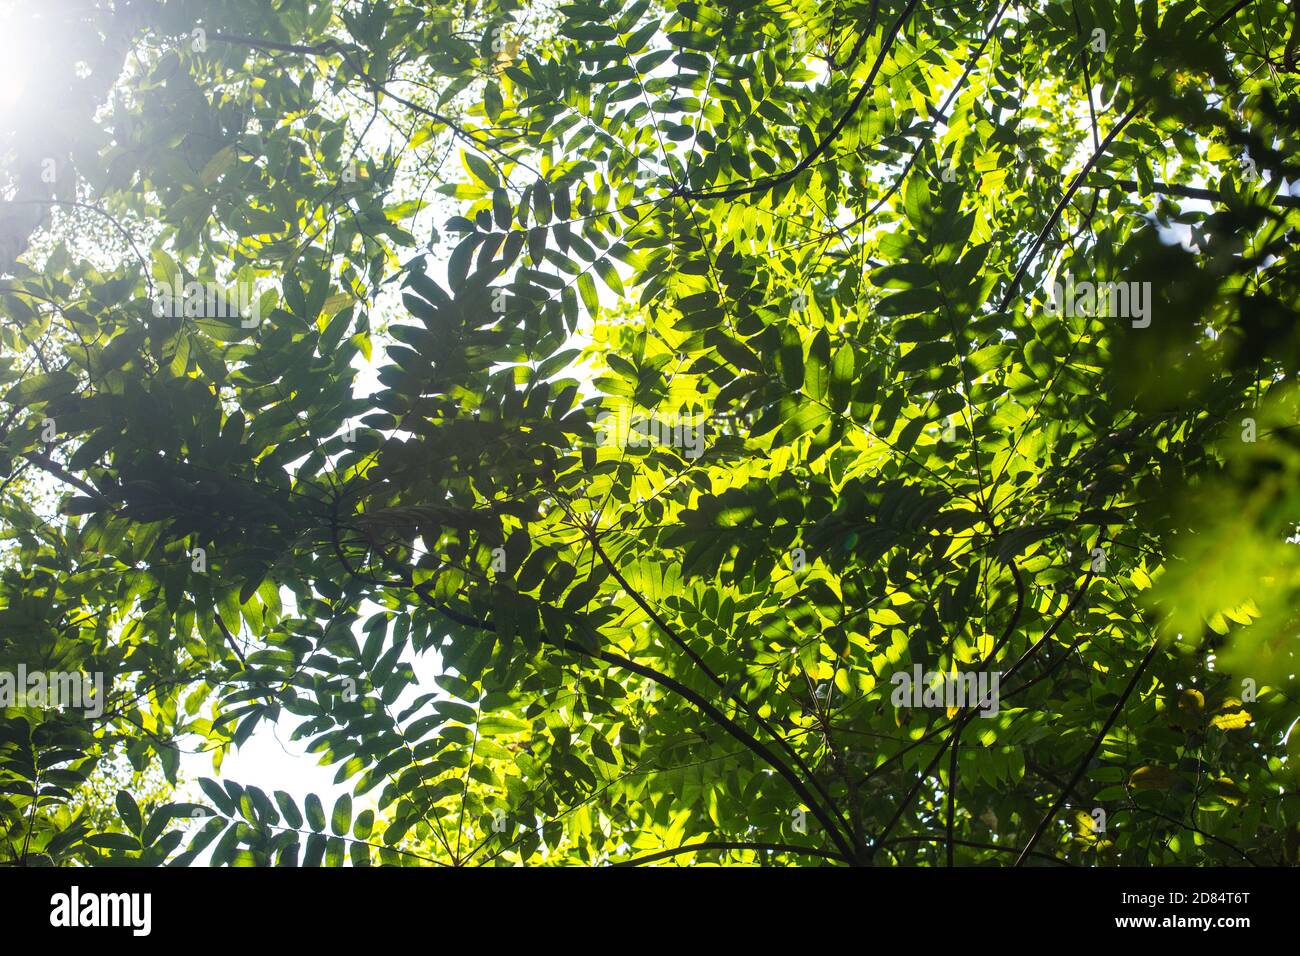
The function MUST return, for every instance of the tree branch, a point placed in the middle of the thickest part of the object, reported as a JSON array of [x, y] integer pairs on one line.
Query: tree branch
[[1191, 192], [1097, 153], [731, 192], [46, 463], [730, 845], [736, 731], [701, 704], [1087, 758], [230, 638], [333, 46], [699, 662], [920, 838]]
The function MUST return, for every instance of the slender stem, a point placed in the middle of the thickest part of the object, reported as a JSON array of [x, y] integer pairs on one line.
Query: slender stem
[[713, 676], [1082, 768], [731, 192], [730, 845]]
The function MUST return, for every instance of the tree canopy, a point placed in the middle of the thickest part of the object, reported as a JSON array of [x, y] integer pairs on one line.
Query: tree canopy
[[673, 377]]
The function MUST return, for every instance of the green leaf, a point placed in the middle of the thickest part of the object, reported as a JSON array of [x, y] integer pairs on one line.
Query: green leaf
[[129, 811], [290, 810], [817, 372], [341, 817], [910, 302], [41, 388], [315, 812], [609, 275], [480, 169], [113, 841], [587, 289], [217, 795], [841, 378]]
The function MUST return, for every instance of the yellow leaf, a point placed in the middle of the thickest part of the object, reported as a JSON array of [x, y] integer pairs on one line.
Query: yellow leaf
[[1085, 825], [842, 681], [1234, 721], [422, 136], [1240, 615]]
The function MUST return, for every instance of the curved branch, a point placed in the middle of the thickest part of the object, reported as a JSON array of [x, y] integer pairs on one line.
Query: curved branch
[[701, 704], [1097, 153], [729, 845], [1191, 192], [328, 47], [699, 662], [921, 838], [736, 731], [731, 192], [48, 464], [1079, 771], [230, 639], [1183, 824]]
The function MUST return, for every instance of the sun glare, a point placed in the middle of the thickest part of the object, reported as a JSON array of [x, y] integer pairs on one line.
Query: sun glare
[[19, 54]]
